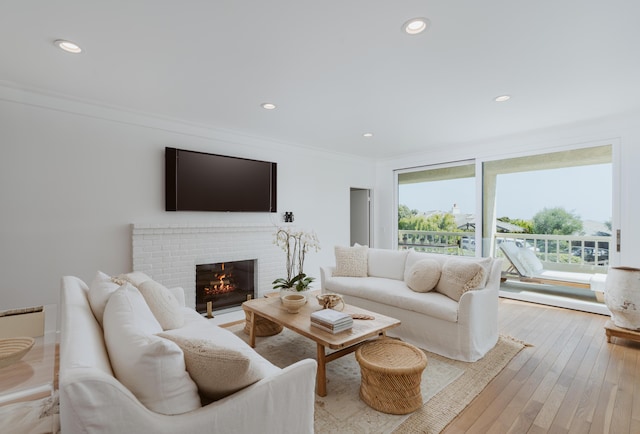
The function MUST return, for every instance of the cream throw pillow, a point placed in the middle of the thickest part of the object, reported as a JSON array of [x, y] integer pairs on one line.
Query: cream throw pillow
[[152, 368], [163, 304], [459, 276], [100, 290], [424, 275], [219, 362], [351, 261]]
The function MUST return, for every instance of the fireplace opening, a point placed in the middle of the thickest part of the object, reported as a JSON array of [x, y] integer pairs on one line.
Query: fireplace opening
[[224, 284]]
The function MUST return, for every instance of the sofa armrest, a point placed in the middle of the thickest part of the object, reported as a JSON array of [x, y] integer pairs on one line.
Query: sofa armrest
[[479, 308], [96, 402], [325, 273]]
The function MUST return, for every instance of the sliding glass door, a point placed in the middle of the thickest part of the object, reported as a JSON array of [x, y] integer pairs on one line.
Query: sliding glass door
[[556, 205]]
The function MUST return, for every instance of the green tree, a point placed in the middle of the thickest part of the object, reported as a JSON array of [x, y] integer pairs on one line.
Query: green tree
[[527, 225], [556, 221], [405, 212], [444, 222]]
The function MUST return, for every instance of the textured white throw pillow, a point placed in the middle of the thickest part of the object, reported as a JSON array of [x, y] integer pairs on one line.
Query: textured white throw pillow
[[152, 368], [218, 361], [163, 304], [424, 275], [100, 290], [459, 276], [351, 261]]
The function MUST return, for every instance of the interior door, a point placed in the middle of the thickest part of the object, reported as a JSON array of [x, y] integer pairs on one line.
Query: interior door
[[361, 216]]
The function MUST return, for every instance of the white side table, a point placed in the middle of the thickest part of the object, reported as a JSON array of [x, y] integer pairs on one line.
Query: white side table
[[28, 388]]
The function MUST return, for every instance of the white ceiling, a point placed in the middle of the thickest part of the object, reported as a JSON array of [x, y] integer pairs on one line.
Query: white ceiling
[[336, 69]]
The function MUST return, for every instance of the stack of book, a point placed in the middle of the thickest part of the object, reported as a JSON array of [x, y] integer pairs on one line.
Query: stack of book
[[331, 320]]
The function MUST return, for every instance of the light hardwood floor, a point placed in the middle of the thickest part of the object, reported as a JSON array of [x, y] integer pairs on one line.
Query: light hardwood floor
[[570, 381]]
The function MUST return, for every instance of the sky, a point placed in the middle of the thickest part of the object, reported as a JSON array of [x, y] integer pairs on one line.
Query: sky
[[584, 190]]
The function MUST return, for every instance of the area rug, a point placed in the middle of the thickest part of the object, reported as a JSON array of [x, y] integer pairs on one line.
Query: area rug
[[448, 386]]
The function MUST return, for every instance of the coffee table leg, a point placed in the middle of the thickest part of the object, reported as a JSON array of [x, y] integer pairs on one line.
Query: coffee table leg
[[321, 376], [252, 330]]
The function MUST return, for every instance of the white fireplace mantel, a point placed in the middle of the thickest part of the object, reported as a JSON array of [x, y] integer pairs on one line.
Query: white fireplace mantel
[[169, 253]]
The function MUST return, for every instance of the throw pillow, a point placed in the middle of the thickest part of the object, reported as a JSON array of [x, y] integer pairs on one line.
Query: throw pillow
[[100, 290], [459, 276], [424, 275], [163, 304], [218, 361], [152, 368], [387, 263], [351, 261]]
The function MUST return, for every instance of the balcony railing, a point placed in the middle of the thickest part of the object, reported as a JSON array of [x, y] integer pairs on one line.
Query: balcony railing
[[559, 252]]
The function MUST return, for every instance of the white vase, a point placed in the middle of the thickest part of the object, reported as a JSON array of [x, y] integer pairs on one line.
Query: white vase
[[622, 296]]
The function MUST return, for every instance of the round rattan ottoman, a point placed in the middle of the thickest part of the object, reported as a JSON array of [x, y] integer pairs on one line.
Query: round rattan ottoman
[[264, 327], [391, 372]]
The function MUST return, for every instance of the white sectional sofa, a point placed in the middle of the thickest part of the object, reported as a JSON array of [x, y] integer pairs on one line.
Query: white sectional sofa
[[462, 325], [173, 367]]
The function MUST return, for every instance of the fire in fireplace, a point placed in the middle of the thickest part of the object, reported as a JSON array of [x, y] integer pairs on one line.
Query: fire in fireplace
[[224, 284]]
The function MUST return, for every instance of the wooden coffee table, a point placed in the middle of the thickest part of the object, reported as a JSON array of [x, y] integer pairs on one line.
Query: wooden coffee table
[[340, 344]]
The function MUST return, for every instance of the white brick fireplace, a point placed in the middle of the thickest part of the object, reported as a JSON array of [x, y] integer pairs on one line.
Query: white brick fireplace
[[169, 253]]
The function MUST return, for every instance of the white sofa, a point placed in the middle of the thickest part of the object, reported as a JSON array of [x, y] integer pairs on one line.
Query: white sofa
[[93, 400], [462, 330]]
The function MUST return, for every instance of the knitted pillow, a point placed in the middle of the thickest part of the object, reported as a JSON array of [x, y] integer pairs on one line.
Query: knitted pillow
[[219, 363], [135, 278], [351, 261], [459, 276], [424, 275], [163, 304]]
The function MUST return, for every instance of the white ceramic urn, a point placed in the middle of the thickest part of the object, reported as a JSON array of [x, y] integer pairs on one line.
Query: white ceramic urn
[[622, 296]]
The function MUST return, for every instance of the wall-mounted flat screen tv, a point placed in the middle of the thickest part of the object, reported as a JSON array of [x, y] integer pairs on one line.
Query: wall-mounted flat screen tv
[[197, 181]]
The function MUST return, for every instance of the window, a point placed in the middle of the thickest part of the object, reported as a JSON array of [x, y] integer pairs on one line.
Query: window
[[436, 206]]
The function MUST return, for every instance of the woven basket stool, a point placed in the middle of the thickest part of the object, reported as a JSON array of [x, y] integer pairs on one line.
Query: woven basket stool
[[391, 372], [264, 327]]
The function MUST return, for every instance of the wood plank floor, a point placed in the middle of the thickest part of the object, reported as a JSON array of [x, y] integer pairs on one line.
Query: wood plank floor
[[570, 381]]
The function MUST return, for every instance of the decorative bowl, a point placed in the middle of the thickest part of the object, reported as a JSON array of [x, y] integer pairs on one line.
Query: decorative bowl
[[13, 349], [331, 301], [293, 302]]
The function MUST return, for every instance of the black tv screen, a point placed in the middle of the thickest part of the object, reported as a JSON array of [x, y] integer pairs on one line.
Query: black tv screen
[[197, 181]]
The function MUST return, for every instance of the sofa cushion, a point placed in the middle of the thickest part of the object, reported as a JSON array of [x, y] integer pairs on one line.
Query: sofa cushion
[[163, 304], [152, 368], [387, 263], [424, 275], [351, 261], [100, 290], [395, 293], [459, 276], [217, 360]]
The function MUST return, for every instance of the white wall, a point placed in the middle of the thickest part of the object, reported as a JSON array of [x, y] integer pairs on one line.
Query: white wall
[[74, 177], [623, 132]]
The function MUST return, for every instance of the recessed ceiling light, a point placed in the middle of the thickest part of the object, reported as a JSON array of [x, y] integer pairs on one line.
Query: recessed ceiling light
[[268, 106], [367, 135], [68, 46], [502, 98], [416, 25]]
